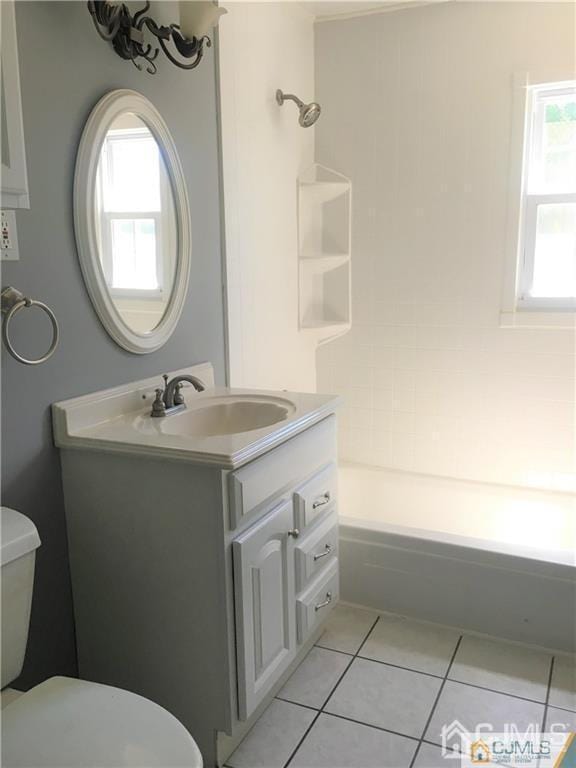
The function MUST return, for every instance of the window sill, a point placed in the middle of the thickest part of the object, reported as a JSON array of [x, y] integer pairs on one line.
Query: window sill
[[538, 319]]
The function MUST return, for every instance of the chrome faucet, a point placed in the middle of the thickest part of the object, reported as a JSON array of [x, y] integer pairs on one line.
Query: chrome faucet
[[169, 399]]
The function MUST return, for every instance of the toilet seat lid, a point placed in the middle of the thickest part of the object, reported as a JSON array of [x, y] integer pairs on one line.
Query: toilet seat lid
[[65, 723]]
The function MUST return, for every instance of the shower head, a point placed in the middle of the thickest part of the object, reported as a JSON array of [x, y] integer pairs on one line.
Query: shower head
[[309, 113]]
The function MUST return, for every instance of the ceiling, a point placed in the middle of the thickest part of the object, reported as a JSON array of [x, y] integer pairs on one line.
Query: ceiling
[[330, 8]]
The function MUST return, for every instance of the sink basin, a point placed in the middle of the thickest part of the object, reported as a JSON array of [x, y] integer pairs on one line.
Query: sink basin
[[227, 416], [220, 427]]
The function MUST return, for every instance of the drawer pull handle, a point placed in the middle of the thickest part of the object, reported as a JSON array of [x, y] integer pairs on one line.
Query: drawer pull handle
[[327, 551], [324, 499], [325, 603], [294, 533]]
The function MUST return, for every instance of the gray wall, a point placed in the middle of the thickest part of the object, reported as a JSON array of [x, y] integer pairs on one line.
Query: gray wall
[[65, 68]]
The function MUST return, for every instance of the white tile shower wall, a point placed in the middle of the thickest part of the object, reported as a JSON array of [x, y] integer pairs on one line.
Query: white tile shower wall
[[416, 111], [264, 46]]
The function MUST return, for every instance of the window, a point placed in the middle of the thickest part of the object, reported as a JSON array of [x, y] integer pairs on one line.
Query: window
[[130, 198], [547, 278]]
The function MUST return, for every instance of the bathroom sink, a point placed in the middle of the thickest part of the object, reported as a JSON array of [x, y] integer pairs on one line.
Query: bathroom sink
[[227, 416], [220, 426]]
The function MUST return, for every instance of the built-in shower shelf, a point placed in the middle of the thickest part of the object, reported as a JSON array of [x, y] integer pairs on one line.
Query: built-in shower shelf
[[324, 191], [324, 252], [324, 261], [329, 329]]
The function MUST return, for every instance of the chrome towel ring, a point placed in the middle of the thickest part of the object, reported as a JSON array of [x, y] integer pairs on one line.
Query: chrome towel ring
[[11, 302]]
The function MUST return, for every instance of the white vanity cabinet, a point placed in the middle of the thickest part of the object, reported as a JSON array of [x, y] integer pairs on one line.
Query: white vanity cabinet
[[273, 561], [284, 504], [198, 584]]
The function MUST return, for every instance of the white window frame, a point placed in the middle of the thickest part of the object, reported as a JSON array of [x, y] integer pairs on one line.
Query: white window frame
[[529, 206], [106, 221]]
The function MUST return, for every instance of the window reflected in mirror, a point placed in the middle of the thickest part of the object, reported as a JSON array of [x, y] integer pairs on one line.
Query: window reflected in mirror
[[135, 223]]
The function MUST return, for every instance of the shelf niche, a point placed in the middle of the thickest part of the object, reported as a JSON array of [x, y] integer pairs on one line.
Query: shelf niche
[[324, 213]]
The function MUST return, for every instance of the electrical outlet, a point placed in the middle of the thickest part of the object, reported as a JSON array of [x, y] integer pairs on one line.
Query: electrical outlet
[[8, 236]]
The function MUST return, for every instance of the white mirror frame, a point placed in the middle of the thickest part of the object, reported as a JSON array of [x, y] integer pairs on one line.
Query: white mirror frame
[[102, 116]]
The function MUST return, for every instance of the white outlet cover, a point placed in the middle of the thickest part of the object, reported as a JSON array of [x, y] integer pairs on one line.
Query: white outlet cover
[[8, 221]]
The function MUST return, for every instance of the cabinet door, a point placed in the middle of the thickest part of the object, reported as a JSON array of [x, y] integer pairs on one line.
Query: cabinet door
[[265, 600]]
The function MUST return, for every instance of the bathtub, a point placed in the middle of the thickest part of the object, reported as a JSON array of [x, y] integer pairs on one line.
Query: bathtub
[[492, 559]]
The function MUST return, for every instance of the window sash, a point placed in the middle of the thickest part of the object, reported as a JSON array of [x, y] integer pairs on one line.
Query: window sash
[[140, 293], [525, 300], [535, 107]]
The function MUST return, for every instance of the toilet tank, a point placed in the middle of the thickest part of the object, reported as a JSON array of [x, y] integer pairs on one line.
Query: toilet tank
[[18, 543]]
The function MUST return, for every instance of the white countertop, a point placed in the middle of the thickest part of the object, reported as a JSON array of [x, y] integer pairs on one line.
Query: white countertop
[[115, 420]]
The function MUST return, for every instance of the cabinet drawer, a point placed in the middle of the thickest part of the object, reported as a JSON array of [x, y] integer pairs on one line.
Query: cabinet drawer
[[315, 604], [317, 550], [279, 470], [315, 496]]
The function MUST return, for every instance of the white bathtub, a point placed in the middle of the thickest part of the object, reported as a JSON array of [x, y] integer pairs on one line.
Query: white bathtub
[[487, 558]]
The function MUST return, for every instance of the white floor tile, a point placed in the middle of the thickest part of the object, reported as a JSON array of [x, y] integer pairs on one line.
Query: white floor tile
[[274, 737], [563, 687], [315, 678], [384, 696], [472, 706], [336, 743], [502, 667], [560, 717], [411, 644], [347, 628], [432, 757]]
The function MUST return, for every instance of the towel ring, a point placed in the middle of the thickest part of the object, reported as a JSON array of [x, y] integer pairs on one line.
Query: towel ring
[[12, 301]]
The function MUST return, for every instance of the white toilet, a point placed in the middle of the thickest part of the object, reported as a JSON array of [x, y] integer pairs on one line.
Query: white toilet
[[63, 721]]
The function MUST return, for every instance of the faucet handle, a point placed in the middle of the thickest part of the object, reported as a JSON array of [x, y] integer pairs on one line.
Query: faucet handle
[[178, 396], [159, 406]]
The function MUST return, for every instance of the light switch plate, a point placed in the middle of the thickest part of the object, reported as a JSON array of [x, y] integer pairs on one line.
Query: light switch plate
[[8, 236]]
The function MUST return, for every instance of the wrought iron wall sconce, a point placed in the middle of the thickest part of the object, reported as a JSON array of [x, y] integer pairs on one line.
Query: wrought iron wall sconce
[[114, 23]]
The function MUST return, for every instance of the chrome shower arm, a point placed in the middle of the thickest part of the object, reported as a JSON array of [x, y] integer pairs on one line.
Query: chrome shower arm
[[281, 97]]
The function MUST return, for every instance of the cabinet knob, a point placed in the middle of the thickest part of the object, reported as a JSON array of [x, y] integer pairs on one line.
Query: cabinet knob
[[294, 533]]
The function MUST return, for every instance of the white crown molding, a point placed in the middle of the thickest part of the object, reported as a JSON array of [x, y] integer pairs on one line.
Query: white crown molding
[[386, 6]]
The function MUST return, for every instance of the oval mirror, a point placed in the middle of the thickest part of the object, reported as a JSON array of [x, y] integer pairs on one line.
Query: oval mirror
[[132, 221]]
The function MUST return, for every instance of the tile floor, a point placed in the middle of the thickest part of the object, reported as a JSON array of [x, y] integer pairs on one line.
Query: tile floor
[[377, 689]]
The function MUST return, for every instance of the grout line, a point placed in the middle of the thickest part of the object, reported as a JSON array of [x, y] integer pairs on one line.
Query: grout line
[[336, 684], [442, 684], [371, 725], [321, 710], [355, 656], [306, 732], [545, 715], [433, 744], [350, 720], [564, 709], [494, 690], [400, 666], [453, 680], [298, 704], [325, 648]]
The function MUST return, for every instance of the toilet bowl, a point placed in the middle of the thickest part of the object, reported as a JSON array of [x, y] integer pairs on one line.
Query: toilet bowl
[[64, 722]]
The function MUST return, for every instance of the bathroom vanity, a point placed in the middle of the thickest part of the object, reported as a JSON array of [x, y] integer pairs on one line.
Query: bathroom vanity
[[204, 562]]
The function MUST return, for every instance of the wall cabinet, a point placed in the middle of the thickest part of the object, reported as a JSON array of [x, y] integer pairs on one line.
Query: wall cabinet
[[213, 583]]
